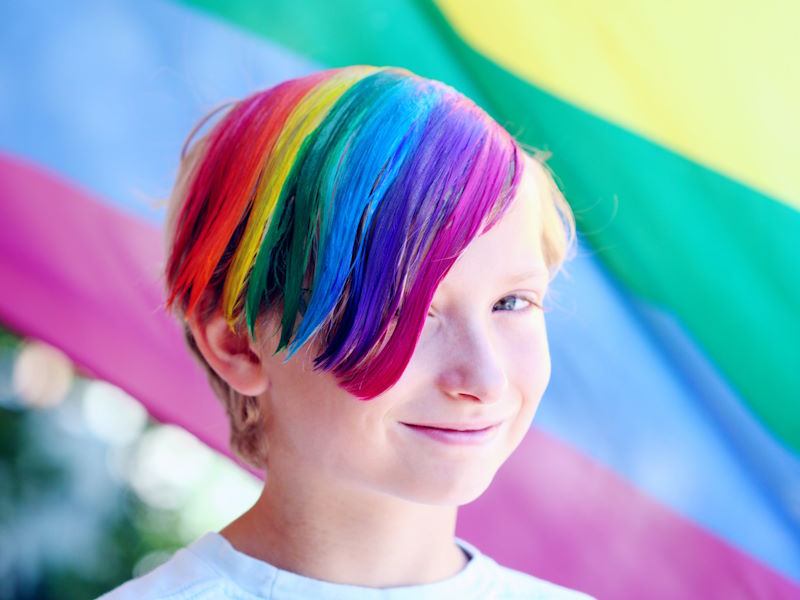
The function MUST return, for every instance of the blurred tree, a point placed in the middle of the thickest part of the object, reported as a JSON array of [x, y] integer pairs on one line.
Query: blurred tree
[[68, 527]]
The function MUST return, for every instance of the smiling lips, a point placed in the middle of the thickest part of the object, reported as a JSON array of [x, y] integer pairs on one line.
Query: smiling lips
[[460, 434], [476, 426]]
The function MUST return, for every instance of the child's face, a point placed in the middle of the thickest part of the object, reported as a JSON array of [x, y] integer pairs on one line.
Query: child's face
[[482, 358]]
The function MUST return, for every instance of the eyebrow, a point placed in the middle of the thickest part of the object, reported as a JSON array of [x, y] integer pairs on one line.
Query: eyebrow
[[534, 274]]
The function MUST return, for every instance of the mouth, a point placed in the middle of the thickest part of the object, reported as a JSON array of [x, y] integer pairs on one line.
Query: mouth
[[474, 426], [457, 434]]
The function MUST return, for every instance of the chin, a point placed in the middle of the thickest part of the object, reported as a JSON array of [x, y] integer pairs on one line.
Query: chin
[[450, 489]]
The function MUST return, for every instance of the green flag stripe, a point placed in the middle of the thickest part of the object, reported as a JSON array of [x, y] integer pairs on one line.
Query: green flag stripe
[[722, 257]]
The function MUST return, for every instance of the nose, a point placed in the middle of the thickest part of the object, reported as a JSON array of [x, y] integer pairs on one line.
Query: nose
[[473, 366]]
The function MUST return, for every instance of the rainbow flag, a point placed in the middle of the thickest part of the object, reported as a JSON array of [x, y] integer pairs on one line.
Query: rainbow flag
[[664, 461]]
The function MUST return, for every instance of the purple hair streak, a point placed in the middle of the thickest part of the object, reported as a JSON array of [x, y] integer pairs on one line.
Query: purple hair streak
[[392, 177]]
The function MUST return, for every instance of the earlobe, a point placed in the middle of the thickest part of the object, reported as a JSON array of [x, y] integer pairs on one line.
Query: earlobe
[[234, 357]]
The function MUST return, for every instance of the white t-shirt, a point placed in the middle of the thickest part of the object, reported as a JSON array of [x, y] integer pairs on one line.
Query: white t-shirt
[[211, 568]]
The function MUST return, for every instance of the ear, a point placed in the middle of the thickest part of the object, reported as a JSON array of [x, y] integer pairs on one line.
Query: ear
[[234, 357]]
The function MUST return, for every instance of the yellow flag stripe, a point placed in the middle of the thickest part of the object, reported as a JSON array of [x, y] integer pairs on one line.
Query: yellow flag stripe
[[715, 82]]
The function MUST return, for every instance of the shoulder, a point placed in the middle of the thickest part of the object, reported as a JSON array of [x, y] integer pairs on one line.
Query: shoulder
[[503, 583], [513, 584], [181, 577]]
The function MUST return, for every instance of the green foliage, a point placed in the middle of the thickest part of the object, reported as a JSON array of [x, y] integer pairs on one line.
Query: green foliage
[[39, 479]]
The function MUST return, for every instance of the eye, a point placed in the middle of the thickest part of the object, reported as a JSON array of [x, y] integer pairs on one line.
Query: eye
[[515, 303]]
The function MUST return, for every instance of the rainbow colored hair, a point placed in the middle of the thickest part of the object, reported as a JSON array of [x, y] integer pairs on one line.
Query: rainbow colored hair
[[342, 198]]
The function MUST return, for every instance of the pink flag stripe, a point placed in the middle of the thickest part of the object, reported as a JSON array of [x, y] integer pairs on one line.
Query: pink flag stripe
[[560, 515], [86, 278]]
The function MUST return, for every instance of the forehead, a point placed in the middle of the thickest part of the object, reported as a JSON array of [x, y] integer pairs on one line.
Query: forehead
[[514, 245], [523, 219]]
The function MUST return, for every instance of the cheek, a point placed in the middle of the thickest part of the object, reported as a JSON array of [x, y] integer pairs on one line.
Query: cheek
[[305, 410], [528, 358], [528, 374], [317, 423]]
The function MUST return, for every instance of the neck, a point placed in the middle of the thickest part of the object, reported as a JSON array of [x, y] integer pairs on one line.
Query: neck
[[348, 536]]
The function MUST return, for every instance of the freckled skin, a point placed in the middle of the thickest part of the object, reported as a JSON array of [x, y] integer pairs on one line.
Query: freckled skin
[[351, 494], [477, 359]]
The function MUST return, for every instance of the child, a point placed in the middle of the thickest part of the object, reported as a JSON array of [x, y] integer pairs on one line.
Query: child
[[359, 257]]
